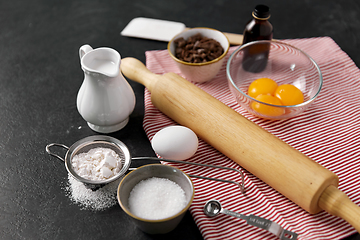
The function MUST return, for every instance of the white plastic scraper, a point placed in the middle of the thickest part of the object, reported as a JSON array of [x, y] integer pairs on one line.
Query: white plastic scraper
[[163, 30]]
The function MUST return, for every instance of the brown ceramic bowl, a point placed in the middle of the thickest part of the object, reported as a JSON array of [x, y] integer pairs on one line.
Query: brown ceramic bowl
[[160, 226], [200, 72]]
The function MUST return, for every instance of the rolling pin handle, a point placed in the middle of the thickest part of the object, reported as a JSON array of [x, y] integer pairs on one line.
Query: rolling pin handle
[[337, 203], [137, 71]]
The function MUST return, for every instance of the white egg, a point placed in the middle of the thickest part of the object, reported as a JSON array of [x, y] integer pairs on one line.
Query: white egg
[[175, 143]]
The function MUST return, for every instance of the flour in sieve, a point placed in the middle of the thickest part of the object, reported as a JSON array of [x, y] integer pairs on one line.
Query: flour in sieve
[[97, 164], [88, 199]]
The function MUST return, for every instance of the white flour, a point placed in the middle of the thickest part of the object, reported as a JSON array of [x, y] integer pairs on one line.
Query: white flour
[[97, 164], [88, 199]]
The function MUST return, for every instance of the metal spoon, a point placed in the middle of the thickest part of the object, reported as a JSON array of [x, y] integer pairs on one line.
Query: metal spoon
[[213, 208]]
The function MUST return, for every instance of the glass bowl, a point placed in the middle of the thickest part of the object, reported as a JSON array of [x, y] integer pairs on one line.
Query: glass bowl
[[281, 62]]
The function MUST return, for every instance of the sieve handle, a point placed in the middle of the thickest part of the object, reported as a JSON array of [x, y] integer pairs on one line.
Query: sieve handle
[[240, 185], [57, 145]]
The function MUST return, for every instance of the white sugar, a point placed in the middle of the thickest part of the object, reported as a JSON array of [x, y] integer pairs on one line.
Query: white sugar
[[88, 199], [156, 198]]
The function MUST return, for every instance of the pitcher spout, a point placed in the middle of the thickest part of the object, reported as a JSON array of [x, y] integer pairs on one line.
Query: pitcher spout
[[105, 61]]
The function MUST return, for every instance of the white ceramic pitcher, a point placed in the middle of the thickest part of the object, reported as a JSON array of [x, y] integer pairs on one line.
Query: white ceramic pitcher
[[105, 99]]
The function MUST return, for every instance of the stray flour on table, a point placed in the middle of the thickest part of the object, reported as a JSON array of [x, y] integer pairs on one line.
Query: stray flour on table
[[88, 199]]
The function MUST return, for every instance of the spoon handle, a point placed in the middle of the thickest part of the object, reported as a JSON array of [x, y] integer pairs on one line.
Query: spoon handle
[[235, 214], [263, 223]]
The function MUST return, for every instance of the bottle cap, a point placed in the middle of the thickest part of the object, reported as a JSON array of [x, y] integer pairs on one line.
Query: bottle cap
[[261, 12]]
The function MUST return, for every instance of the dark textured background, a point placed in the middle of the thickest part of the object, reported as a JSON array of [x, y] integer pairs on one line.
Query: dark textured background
[[40, 76]]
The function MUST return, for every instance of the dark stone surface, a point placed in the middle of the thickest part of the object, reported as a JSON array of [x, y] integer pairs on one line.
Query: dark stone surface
[[40, 76]]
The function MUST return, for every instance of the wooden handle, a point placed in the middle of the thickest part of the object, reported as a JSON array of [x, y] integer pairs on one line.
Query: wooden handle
[[234, 39], [136, 71], [338, 204], [276, 163]]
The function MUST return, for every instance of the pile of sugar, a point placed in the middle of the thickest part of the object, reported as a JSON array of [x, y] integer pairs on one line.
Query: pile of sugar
[[97, 164], [88, 199], [156, 198]]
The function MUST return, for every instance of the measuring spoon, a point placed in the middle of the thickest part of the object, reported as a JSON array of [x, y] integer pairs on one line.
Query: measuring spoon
[[213, 208]]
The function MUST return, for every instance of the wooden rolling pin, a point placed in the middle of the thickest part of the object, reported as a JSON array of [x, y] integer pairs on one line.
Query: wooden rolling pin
[[293, 174]]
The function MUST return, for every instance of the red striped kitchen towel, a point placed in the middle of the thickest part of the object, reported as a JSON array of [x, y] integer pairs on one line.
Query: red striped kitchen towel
[[328, 132]]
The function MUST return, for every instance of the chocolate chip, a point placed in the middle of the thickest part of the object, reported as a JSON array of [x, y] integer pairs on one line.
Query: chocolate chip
[[197, 49]]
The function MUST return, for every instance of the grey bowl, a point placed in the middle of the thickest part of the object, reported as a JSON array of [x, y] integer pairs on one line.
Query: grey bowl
[[160, 226]]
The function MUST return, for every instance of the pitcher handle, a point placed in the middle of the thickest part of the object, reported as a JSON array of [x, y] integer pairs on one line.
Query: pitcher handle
[[84, 49]]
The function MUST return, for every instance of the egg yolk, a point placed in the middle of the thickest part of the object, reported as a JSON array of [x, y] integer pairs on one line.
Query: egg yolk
[[265, 109], [289, 95], [262, 86]]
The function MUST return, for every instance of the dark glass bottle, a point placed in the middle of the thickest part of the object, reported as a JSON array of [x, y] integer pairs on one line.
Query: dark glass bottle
[[258, 28]]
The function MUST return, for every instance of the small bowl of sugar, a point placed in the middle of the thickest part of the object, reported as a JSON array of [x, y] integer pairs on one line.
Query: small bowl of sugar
[[156, 197]]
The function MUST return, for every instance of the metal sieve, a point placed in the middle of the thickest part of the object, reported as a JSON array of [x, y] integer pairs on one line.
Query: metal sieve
[[84, 145]]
